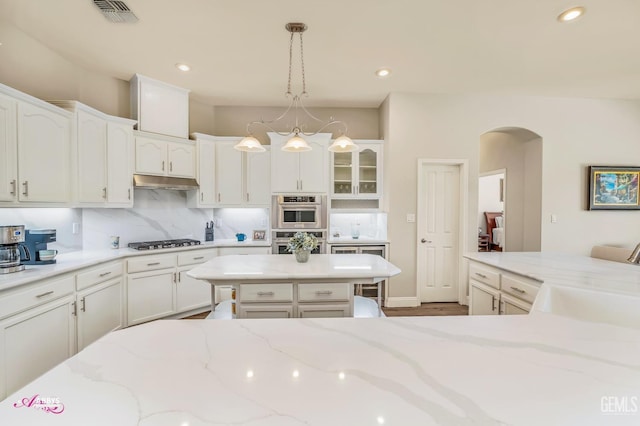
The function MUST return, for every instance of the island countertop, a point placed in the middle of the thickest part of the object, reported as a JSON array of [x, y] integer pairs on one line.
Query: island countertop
[[257, 267], [485, 370]]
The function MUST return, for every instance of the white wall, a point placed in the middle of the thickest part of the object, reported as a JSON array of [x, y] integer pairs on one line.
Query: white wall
[[576, 133]]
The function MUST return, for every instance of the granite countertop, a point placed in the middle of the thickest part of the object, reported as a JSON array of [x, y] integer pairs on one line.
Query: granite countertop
[[72, 261], [485, 370], [319, 266], [561, 269]]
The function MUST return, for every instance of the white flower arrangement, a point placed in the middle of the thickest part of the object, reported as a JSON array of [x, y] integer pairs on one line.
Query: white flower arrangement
[[302, 241]]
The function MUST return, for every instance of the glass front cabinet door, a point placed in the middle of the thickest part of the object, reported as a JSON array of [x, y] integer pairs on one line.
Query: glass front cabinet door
[[357, 174]]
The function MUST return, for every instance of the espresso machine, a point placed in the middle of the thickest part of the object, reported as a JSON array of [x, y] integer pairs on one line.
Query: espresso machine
[[34, 248], [10, 239]]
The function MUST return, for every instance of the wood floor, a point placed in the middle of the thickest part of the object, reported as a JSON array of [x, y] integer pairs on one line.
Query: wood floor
[[426, 309]]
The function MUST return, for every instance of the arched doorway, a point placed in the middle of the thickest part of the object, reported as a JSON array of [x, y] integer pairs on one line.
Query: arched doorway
[[517, 152]]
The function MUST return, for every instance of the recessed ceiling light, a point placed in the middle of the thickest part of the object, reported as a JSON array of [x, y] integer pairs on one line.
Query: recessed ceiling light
[[571, 14], [383, 72], [183, 67]]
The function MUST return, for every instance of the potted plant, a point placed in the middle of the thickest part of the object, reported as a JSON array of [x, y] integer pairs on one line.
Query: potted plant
[[301, 244]]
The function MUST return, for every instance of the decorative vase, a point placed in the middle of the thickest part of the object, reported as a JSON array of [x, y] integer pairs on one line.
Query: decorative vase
[[302, 256]]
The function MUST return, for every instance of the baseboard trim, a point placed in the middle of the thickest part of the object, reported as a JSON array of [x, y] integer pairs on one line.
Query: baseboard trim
[[402, 302]]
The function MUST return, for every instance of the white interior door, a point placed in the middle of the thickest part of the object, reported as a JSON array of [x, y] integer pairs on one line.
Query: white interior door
[[438, 232]]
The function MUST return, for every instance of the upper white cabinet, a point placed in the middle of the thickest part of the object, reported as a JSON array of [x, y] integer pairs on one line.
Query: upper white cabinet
[[357, 175], [104, 156], [229, 177], [159, 107], [44, 139], [300, 172], [165, 156], [8, 149]]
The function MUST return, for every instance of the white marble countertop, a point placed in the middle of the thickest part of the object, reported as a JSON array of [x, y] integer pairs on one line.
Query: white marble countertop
[[268, 267], [72, 261], [484, 370], [566, 270]]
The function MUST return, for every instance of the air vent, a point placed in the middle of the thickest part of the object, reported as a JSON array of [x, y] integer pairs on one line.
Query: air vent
[[116, 11]]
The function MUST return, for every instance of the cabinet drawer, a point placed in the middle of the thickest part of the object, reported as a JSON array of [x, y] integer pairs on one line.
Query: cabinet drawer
[[324, 311], [484, 274], [520, 287], [195, 257], [151, 263], [34, 295], [266, 292], [323, 292], [98, 275]]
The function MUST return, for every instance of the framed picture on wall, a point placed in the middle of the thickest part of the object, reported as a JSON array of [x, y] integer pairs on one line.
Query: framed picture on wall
[[613, 188], [259, 234]]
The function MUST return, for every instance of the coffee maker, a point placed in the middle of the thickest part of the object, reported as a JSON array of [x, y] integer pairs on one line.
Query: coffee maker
[[10, 239], [35, 242]]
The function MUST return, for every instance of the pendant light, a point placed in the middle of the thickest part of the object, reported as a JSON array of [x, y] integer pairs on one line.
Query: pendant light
[[297, 143]]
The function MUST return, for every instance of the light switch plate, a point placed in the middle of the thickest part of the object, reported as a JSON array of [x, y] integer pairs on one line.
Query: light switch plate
[[411, 217]]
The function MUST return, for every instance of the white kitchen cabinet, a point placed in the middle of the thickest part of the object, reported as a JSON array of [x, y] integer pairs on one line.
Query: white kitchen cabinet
[[206, 196], [493, 291], [150, 295], [159, 107], [104, 156], [120, 157], [44, 139], [163, 156], [37, 332], [484, 299], [357, 175], [229, 174], [190, 292], [8, 149], [229, 177], [300, 172], [100, 304]]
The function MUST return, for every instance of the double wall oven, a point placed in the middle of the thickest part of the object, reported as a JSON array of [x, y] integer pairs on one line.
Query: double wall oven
[[293, 213]]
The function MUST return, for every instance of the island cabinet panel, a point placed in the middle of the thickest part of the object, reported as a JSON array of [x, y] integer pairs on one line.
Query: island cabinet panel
[[266, 293], [323, 311], [493, 291], [256, 311], [323, 292]]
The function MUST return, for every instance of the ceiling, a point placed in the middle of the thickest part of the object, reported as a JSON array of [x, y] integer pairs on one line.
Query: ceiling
[[238, 49]]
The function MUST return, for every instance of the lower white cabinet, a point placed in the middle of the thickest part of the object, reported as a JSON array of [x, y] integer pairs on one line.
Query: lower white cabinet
[[158, 286], [149, 295], [99, 311], [493, 291], [294, 299], [484, 299], [35, 341]]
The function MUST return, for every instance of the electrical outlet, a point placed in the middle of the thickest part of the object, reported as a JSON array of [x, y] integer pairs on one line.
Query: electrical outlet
[[411, 217], [217, 222], [75, 228], [554, 218]]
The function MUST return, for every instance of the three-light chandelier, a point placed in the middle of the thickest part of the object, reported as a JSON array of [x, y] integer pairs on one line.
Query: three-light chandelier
[[297, 143]]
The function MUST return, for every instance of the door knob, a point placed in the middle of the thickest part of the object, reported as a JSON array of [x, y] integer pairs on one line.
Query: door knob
[[425, 241]]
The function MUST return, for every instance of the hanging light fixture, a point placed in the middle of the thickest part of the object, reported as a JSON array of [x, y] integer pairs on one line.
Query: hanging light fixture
[[297, 143]]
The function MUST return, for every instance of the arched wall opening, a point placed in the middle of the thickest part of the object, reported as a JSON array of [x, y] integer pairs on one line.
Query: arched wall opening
[[518, 153]]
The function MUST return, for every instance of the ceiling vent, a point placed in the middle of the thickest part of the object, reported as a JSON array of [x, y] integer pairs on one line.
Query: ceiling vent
[[115, 11]]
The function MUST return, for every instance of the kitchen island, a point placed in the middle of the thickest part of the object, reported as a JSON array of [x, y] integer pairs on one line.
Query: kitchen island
[[276, 286], [521, 370]]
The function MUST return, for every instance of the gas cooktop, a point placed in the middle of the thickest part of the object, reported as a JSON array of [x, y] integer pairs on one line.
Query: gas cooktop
[[152, 245]]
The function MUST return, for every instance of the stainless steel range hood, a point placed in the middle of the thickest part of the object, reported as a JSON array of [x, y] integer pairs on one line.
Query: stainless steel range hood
[[164, 182]]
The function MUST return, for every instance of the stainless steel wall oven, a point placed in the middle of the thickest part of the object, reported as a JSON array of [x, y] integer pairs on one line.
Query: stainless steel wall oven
[[299, 212]]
